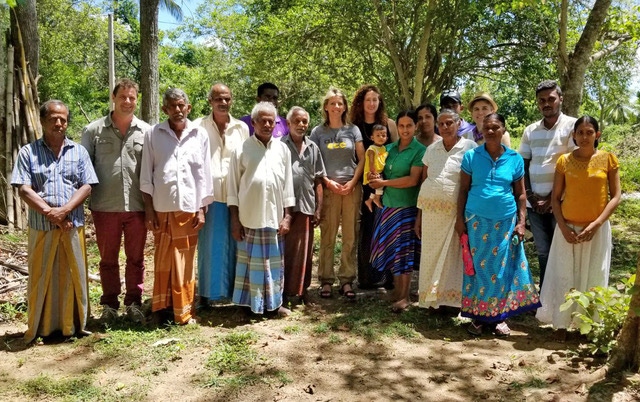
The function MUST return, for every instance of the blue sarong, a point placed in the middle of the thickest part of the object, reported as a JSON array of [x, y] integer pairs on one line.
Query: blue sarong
[[216, 254]]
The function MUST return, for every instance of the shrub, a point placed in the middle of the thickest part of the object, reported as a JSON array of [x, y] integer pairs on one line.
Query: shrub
[[602, 313]]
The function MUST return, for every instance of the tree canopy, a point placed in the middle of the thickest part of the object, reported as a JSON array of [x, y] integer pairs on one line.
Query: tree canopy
[[412, 50]]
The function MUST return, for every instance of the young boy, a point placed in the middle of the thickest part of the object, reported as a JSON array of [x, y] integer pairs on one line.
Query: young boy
[[374, 161]]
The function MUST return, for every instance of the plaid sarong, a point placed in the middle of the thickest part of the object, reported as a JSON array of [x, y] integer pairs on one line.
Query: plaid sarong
[[260, 270]]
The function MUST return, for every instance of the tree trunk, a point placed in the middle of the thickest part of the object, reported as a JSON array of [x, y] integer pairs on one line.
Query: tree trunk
[[149, 78], [572, 67], [627, 352], [27, 19]]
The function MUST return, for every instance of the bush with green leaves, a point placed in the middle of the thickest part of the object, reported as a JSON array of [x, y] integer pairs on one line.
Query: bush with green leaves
[[601, 313]]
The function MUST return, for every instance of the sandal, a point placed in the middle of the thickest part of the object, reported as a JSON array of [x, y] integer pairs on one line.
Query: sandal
[[324, 293], [475, 329], [349, 294], [502, 329]]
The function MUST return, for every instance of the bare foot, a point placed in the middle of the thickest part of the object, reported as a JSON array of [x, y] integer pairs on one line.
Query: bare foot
[[369, 204], [378, 202], [284, 312], [400, 306]]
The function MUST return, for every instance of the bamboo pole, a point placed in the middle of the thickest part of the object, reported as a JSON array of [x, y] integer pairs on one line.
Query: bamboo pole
[[8, 160]]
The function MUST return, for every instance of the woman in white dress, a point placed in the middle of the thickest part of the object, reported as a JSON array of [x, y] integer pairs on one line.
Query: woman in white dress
[[440, 281]]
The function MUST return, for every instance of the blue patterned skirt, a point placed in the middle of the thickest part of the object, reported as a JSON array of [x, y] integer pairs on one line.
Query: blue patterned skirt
[[502, 285], [395, 248]]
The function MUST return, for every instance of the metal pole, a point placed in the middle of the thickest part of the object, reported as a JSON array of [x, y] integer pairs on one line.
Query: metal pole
[[112, 63]]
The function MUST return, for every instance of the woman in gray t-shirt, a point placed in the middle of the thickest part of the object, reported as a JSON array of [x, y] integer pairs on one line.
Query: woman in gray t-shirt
[[342, 150]]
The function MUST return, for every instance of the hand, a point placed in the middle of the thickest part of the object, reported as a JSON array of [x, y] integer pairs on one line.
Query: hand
[[57, 215], [347, 188], [542, 205], [460, 227], [519, 230], [417, 228], [317, 215], [376, 183], [333, 186], [285, 225], [373, 176], [568, 233], [587, 232], [237, 230], [198, 220], [151, 220], [65, 225]]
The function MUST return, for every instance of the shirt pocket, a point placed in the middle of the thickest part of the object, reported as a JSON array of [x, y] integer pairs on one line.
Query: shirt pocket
[[104, 146]]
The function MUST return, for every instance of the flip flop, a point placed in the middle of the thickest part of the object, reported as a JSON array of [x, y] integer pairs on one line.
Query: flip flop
[[502, 329], [349, 294], [325, 294], [474, 329]]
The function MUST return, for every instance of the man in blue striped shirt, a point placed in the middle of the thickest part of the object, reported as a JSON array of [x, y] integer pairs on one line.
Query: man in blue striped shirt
[[54, 176]]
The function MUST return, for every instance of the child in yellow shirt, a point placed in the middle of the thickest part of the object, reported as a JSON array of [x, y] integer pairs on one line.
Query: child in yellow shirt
[[375, 158]]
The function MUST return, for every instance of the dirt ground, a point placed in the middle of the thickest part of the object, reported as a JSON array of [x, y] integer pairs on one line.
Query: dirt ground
[[322, 353]]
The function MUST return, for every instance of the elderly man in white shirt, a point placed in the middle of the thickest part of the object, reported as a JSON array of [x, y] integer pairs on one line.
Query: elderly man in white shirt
[[260, 198], [176, 183], [216, 246]]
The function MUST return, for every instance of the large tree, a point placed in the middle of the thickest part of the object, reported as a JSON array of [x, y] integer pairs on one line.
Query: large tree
[[149, 39], [585, 35]]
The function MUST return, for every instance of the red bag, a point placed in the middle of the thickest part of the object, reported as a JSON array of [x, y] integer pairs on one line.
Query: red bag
[[467, 260]]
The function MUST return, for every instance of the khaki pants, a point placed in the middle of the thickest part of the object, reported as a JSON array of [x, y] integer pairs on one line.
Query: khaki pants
[[339, 210]]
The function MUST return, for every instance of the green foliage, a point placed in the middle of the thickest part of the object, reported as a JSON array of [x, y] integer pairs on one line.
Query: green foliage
[[624, 142], [601, 313]]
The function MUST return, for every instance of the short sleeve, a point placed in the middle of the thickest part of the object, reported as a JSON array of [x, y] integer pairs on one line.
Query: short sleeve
[[525, 146], [518, 168], [417, 160], [22, 169], [357, 135], [320, 171], [561, 165], [466, 162], [613, 162]]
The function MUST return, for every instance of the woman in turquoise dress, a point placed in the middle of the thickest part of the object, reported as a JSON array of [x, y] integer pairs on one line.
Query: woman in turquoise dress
[[491, 210]]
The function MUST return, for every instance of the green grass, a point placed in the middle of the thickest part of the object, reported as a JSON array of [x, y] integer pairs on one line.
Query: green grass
[[534, 382], [292, 329], [233, 352], [81, 388], [233, 364]]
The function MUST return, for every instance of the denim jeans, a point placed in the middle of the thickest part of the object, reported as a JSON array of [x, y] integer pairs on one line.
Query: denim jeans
[[542, 227]]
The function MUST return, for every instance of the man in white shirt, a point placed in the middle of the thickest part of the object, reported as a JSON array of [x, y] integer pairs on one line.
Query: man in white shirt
[[260, 198], [176, 183], [542, 144], [216, 246]]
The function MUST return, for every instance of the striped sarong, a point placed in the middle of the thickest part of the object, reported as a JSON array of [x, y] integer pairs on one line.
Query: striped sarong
[[395, 247], [260, 270], [502, 285], [57, 288], [174, 275], [216, 254], [298, 252]]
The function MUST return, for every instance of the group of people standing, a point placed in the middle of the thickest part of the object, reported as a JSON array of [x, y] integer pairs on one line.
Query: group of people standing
[[427, 191]]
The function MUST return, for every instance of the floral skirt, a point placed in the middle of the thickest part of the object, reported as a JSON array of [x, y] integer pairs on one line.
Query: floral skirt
[[502, 285]]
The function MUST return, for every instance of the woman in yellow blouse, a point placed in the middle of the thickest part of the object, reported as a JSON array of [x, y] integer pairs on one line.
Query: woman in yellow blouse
[[586, 191]]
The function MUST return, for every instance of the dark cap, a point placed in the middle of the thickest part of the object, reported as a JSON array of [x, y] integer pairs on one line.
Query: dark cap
[[451, 95]]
